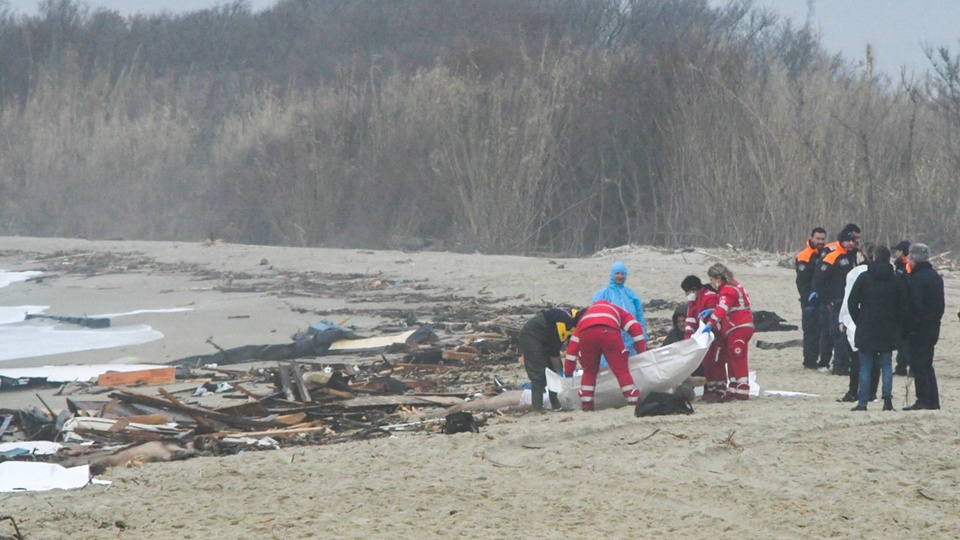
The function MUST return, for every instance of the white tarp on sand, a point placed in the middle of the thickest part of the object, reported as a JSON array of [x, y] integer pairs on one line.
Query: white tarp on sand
[[18, 476], [657, 370]]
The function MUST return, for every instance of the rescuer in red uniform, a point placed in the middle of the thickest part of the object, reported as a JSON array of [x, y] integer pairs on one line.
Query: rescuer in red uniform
[[596, 333], [732, 320]]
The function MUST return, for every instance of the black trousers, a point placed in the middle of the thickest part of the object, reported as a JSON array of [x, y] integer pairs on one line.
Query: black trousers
[[824, 319], [903, 356], [921, 366], [536, 359], [810, 321], [841, 347]]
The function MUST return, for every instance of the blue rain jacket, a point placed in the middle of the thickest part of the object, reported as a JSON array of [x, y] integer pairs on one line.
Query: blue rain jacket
[[623, 296]]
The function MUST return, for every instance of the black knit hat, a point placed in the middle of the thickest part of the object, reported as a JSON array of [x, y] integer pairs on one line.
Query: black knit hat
[[903, 246]]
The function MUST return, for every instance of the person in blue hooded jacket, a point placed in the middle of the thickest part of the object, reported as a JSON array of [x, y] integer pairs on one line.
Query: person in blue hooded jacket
[[618, 294]]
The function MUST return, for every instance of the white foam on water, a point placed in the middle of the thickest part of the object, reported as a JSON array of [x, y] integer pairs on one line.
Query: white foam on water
[[35, 338], [20, 338], [6, 278], [13, 314], [140, 311]]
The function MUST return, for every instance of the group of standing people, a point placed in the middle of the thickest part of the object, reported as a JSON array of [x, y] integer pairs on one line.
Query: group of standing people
[[858, 308]]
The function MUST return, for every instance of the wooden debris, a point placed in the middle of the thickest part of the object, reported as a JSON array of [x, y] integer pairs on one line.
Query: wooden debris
[[449, 354]]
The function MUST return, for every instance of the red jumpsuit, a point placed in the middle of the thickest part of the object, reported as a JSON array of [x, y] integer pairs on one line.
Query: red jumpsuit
[[598, 332], [733, 322], [706, 299]]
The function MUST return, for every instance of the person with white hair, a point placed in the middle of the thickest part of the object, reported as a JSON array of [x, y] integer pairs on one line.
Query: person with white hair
[[923, 326]]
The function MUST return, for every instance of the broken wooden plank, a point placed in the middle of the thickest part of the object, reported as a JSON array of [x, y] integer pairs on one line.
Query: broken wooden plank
[[450, 354], [193, 412], [335, 393], [267, 433], [250, 408], [7, 419], [160, 375], [172, 399], [291, 419], [244, 391], [366, 344], [296, 376], [286, 384]]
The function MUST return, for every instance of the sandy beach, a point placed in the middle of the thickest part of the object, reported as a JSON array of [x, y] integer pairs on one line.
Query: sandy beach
[[773, 467]]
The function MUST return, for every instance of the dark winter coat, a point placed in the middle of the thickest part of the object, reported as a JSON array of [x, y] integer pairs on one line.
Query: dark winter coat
[[926, 301], [878, 304]]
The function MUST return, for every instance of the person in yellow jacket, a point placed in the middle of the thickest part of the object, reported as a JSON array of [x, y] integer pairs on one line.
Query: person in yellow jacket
[[540, 341]]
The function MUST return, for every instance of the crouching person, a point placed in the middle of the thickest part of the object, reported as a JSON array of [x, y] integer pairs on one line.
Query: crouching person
[[540, 341], [596, 333]]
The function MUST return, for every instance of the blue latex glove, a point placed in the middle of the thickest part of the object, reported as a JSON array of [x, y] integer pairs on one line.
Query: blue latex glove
[[810, 308], [706, 329], [705, 313], [812, 297], [560, 373]]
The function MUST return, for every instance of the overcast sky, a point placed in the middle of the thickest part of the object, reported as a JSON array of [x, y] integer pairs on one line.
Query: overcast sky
[[897, 29], [128, 7]]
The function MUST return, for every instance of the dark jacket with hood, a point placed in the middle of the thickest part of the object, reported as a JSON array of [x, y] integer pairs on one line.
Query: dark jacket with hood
[[878, 304]]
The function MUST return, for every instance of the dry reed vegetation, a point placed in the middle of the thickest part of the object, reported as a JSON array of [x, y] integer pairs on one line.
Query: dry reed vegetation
[[663, 123]]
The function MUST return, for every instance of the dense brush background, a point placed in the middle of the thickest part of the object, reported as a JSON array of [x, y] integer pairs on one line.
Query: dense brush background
[[504, 126]]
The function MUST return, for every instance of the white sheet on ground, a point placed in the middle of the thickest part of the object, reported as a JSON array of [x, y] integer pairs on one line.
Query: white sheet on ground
[[18, 476], [37, 448], [657, 370]]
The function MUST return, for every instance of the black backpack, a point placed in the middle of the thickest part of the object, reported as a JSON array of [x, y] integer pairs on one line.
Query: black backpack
[[460, 422], [662, 403]]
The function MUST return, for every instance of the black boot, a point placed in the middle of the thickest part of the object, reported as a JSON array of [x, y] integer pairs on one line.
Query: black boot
[[918, 406], [859, 408], [849, 397], [887, 403], [554, 401]]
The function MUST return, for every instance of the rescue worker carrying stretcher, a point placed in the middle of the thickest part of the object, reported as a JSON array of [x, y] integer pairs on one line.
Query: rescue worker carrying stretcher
[[732, 320], [598, 332]]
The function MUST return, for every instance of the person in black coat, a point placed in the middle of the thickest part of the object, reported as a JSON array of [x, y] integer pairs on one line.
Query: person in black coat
[[923, 328], [901, 265], [878, 305], [540, 340]]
